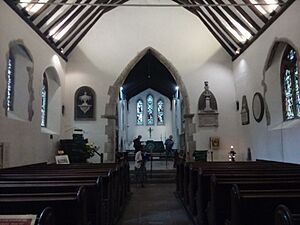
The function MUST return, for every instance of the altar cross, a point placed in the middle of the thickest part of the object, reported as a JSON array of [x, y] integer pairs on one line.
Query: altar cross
[[150, 131]]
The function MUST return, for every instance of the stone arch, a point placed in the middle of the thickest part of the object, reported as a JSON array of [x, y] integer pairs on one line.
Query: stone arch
[[113, 93], [278, 43]]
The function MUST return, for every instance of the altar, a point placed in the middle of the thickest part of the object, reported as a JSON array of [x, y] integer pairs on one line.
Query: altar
[[154, 146]]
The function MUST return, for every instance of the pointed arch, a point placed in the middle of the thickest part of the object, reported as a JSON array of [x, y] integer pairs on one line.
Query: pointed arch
[[275, 54], [113, 93]]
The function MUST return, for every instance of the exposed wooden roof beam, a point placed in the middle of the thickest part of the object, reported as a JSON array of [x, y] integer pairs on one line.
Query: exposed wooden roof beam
[[256, 11], [49, 15], [235, 17], [75, 27], [270, 22], [223, 40], [61, 18], [220, 24], [245, 15], [40, 11], [33, 27], [91, 25], [225, 18]]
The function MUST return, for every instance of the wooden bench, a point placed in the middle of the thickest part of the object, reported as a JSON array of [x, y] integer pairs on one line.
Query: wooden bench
[[218, 208], [283, 216], [114, 193], [257, 207], [195, 187], [70, 208], [44, 217]]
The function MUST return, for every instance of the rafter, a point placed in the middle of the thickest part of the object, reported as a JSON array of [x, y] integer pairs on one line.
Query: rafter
[[49, 15], [91, 25], [256, 11], [245, 15], [225, 18], [220, 24], [85, 15], [61, 18], [40, 11], [235, 25], [235, 17], [211, 26]]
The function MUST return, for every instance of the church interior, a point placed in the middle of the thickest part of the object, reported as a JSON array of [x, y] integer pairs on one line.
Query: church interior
[[84, 78]]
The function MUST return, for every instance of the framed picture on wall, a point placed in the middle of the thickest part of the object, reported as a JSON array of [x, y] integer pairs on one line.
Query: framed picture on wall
[[258, 107], [84, 104]]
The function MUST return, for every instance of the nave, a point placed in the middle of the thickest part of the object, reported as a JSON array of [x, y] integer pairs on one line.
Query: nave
[[155, 204]]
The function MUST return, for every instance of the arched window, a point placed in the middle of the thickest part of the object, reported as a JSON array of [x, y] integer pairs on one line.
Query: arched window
[[290, 84], [19, 82], [44, 106], [160, 112], [139, 112], [150, 107], [10, 76]]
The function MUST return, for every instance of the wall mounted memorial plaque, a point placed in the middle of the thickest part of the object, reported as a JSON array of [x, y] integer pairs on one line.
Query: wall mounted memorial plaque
[[84, 104]]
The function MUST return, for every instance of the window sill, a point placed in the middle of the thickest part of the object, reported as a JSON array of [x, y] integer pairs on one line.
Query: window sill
[[48, 131]]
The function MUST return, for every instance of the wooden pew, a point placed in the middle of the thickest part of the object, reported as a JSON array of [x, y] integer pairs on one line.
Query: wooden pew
[[93, 191], [218, 208], [44, 217], [197, 176], [116, 194], [283, 216], [257, 207], [70, 207], [99, 187]]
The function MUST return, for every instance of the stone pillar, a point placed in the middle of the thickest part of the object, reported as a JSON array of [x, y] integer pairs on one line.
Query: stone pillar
[[189, 129]]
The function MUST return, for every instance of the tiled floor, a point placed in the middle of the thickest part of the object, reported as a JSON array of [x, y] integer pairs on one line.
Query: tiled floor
[[154, 204]]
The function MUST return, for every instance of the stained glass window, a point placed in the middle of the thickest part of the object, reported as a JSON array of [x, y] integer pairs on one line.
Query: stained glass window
[[150, 107], [44, 106], [10, 83], [139, 112], [160, 112], [290, 85]]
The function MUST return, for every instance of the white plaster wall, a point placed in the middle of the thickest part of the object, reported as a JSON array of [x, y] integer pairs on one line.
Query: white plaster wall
[[26, 143], [279, 141], [160, 132], [179, 36]]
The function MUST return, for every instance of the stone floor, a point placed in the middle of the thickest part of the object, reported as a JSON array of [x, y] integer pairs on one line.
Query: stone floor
[[155, 204], [156, 165]]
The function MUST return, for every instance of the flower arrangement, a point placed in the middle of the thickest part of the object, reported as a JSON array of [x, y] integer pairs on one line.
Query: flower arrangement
[[90, 149]]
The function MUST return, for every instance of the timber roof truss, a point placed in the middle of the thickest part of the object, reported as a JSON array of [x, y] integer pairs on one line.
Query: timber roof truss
[[236, 24]]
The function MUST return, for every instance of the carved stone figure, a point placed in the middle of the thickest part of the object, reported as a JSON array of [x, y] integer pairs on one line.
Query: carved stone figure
[[207, 108]]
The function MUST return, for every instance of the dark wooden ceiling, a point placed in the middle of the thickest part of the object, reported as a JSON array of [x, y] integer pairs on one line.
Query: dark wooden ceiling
[[234, 23], [149, 72]]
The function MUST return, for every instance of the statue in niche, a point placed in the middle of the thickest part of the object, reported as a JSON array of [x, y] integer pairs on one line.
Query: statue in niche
[[207, 108], [85, 103]]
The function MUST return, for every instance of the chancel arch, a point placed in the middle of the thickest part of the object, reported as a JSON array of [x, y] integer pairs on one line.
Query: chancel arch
[[188, 127]]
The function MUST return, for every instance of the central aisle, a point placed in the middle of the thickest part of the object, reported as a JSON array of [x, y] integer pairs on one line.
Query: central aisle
[[154, 205]]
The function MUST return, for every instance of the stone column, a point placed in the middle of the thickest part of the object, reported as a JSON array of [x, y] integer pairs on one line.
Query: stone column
[[189, 130]]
